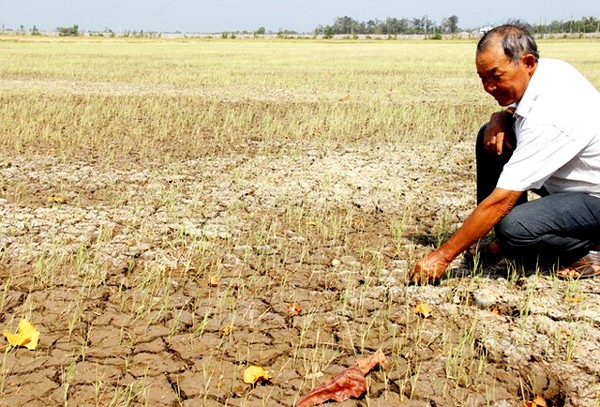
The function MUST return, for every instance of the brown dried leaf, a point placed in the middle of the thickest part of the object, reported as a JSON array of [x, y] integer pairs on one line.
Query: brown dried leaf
[[370, 363], [423, 310], [349, 383], [294, 309]]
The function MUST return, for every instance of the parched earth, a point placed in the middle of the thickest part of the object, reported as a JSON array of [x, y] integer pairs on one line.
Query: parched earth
[[158, 284]]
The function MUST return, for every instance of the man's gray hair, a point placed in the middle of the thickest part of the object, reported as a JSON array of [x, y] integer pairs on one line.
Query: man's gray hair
[[516, 42]]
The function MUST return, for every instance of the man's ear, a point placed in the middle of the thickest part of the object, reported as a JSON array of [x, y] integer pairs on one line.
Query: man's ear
[[529, 61]]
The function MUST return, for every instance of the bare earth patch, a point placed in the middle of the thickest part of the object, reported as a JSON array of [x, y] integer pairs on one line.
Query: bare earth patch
[[159, 285]]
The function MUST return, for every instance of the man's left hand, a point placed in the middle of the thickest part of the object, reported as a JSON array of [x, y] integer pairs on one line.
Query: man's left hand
[[499, 133]]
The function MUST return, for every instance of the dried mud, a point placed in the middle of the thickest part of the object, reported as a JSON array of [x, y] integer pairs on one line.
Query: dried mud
[[158, 285]]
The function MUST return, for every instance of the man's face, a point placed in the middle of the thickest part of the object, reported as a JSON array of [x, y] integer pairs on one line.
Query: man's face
[[501, 77]]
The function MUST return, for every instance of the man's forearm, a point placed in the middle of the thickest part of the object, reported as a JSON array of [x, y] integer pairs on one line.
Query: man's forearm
[[487, 214]]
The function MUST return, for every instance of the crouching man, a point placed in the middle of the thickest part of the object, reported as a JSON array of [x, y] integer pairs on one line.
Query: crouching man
[[547, 140]]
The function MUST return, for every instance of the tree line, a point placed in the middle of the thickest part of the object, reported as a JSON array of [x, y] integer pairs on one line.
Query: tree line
[[449, 25], [584, 25], [391, 26]]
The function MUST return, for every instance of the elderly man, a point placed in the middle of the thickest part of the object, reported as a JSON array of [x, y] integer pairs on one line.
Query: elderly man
[[546, 140]]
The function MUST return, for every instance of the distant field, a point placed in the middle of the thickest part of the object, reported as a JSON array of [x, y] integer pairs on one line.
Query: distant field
[[187, 98]]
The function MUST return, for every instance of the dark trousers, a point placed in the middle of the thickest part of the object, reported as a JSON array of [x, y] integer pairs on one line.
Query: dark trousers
[[554, 228]]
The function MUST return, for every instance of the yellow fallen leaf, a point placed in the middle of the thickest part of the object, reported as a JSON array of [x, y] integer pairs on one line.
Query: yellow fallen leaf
[[359, 223], [538, 401], [255, 374], [213, 280], [423, 309], [27, 336], [574, 299], [227, 330], [56, 199]]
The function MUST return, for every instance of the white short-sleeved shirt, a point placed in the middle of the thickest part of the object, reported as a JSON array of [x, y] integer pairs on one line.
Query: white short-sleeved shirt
[[558, 133]]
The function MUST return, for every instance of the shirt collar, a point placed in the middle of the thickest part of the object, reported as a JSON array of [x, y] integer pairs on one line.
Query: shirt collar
[[523, 107]]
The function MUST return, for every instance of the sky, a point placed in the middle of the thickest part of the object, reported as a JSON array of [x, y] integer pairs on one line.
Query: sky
[[214, 16]]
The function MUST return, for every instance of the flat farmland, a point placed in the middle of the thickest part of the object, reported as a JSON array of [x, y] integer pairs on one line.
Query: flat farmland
[[167, 206]]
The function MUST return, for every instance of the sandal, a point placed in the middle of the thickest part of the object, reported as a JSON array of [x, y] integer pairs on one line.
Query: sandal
[[586, 267]]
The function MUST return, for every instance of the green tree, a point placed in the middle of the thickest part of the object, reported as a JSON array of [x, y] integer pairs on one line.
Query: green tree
[[261, 31], [346, 25], [453, 24], [520, 23], [328, 32], [68, 31], [395, 26]]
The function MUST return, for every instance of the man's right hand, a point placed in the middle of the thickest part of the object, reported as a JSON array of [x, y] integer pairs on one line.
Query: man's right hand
[[429, 269], [499, 132]]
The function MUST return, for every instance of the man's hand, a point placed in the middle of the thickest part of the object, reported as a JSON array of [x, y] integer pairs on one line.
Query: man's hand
[[429, 269], [499, 132], [487, 214]]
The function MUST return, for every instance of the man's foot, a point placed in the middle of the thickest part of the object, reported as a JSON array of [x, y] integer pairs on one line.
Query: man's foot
[[586, 267]]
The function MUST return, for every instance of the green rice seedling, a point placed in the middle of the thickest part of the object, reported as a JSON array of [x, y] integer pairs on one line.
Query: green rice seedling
[[75, 314], [67, 376], [124, 396], [460, 358], [525, 309], [572, 342], [317, 359], [307, 324], [4, 369], [366, 332], [411, 380], [6, 287]]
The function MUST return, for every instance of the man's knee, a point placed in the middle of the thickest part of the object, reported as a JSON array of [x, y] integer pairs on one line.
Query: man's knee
[[512, 232], [480, 137]]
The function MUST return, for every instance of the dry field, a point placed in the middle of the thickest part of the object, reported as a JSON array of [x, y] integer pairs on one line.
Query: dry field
[[163, 203]]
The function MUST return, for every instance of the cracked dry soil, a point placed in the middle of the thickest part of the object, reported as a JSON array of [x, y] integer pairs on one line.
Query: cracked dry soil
[[159, 284]]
